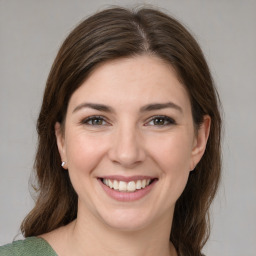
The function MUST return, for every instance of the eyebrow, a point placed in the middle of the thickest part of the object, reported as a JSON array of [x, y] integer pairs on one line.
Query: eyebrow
[[158, 106], [95, 106], [146, 108]]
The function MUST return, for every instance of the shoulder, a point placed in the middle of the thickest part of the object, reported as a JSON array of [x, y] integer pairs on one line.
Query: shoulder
[[29, 246]]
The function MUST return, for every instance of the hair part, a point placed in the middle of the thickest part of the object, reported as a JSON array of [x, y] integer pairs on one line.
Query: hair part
[[108, 35]]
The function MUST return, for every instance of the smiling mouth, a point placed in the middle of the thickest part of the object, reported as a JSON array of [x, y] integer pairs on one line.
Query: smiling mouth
[[123, 186]]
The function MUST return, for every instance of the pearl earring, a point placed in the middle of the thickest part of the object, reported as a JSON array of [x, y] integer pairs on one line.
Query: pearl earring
[[63, 163]]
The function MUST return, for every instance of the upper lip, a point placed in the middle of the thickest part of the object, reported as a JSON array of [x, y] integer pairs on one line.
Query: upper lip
[[127, 179]]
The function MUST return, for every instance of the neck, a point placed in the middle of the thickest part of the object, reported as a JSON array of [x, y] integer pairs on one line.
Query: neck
[[89, 236]]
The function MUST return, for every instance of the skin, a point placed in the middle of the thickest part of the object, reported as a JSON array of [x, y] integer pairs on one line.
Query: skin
[[128, 140]]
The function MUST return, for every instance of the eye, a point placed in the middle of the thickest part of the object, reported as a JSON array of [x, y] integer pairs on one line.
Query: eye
[[95, 121], [160, 121]]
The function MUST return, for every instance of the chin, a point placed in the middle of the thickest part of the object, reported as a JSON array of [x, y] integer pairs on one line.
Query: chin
[[127, 220]]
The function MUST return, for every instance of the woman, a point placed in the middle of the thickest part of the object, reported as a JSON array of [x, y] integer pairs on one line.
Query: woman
[[128, 159]]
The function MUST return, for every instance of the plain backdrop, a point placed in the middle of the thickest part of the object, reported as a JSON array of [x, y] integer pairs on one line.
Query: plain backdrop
[[31, 33]]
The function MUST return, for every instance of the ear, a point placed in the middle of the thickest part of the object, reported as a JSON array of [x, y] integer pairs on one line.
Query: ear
[[60, 143], [200, 142]]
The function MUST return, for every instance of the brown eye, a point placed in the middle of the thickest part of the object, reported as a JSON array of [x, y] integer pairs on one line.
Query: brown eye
[[161, 121], [95, 121]]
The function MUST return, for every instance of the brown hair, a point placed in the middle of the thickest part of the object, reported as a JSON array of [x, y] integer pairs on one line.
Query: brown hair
[[112, 34]]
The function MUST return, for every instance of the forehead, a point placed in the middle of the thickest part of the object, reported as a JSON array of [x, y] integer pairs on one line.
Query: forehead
[[130, 81]]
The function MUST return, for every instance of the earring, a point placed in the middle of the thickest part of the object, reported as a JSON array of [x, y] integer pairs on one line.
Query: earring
[[63, 163]]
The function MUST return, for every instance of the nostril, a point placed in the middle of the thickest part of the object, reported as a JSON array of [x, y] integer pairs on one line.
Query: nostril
[[126, 151]]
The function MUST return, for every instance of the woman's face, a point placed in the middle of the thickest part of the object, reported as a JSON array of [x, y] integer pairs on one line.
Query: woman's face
[[129, 142]]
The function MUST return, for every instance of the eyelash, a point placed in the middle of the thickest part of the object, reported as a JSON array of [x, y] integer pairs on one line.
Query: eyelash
[[92, 118], [165, 119]]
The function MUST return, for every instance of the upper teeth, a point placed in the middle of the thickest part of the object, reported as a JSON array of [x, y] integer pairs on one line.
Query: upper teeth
[[130, 186]]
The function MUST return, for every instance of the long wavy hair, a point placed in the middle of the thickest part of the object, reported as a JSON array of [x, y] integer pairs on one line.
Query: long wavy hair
[[111, 34]]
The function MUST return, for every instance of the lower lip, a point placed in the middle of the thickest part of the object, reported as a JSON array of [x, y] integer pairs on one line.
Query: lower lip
[[127, 196]]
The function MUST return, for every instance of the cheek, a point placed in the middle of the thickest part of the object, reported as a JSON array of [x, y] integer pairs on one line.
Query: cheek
[[172, 153], [83, 152], [173, 156]]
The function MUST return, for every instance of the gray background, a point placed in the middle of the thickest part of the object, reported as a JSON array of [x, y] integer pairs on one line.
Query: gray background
[[32, 31]]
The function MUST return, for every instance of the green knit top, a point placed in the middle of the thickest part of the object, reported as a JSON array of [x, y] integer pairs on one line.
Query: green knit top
[[31, 246]]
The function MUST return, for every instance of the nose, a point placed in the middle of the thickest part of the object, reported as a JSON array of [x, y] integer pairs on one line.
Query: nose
[[127, 147]]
